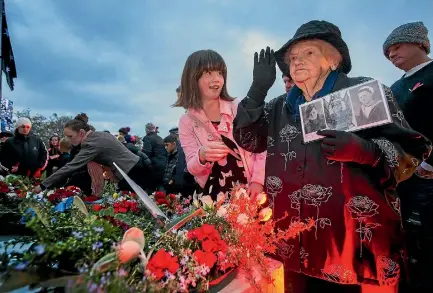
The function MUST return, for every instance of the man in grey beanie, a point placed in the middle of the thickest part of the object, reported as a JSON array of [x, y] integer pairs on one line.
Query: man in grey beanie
[[407, 47]]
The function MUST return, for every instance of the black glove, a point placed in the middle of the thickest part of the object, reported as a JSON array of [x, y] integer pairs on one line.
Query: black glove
[[344, 146], [264, 74]]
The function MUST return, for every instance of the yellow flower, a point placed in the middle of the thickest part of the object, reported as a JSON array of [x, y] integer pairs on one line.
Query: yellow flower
[[115, 195]]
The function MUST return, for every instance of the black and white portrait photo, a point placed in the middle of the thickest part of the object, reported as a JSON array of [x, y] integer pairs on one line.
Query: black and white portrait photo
[[313, 119], [338, 112], [368, 103]]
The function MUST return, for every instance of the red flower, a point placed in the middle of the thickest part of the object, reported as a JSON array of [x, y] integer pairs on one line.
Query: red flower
[[97, 207], [204, 232], [162, 201], [162, 261], [121, 210], [205, 258], [172, 196], [4, 188], [159, 194], [90, 198]]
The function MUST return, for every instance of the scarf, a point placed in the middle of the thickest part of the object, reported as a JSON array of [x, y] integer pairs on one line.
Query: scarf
[[295, 97]]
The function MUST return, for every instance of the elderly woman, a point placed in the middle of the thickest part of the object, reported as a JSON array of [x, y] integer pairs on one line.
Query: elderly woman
[[345, 182]]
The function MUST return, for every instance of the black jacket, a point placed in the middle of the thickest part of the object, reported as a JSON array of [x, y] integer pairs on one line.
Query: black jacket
[[29, 151], [153, 147]]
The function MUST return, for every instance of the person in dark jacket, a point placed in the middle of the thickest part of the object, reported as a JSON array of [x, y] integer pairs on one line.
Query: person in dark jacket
[[135, 150], [153, 147], [24, 154], [407, 47], [100, 148], [171, 144], [345, 182]]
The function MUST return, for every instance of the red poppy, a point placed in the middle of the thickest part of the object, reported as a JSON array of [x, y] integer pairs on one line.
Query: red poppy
[[162, 261], [97, 207], [205, 258]]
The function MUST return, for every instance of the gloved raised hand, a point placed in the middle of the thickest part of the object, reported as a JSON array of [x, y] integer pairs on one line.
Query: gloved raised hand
[[264, 75], [344, 146]]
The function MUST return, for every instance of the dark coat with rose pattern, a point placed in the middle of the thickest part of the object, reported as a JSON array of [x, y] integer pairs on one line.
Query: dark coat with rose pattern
[[357, 237]]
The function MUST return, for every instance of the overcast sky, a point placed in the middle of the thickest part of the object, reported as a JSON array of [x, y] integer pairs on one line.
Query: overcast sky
[[120, 61]]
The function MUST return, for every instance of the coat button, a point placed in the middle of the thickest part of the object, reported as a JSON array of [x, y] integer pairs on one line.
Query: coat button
[[299, 169], [209, 136]]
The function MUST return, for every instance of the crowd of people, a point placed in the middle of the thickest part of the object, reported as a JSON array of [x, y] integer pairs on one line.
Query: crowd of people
[[362, 188]]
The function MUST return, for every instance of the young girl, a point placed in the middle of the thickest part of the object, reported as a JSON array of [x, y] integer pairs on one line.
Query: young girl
[[205, 130], [53, 155]]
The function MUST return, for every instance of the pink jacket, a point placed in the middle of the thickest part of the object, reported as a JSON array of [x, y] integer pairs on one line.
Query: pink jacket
[[193, 136]]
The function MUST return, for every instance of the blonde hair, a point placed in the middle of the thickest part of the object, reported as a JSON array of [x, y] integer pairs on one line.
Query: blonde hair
[[65, 146], [331, 54]]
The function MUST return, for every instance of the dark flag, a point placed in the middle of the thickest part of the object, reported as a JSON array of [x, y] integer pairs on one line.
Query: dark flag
[[7, 56]]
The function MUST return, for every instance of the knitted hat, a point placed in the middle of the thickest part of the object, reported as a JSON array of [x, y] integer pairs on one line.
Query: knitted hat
[[413, 32], [22, 121], [319, 30]]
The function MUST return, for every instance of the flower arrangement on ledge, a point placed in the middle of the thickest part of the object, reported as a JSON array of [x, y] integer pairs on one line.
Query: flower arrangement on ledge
[[113, 244]]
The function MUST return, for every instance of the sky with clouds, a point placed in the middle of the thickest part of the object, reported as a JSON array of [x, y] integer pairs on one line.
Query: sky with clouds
[[121, 61]]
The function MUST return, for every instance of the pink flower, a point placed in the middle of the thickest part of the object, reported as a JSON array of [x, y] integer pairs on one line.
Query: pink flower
[[419, 84]]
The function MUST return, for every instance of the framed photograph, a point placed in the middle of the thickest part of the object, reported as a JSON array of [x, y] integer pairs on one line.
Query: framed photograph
[[369, 105], [351, 109], [312, 119]]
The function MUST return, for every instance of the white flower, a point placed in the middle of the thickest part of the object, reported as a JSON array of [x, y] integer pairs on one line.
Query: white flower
[[222, 211], [221, 197], [207, 201], [242, 219], [261, 198], [265, 214]]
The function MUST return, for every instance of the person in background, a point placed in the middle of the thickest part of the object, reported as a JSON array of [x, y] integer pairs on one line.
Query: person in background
[[407, 47], [205, 130], [53, 155], [4, 136], [65, 152], [24, 154], [171, 145], [288, 82], [124, 131], [100, 150], [153, 147], [135, 150]]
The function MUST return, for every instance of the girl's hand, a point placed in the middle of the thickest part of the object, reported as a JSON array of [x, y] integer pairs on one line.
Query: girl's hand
[[213, 151]]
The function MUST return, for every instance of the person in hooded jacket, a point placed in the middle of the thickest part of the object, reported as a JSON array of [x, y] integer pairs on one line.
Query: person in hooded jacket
[[154, 148], [24, 154], [345, 181]]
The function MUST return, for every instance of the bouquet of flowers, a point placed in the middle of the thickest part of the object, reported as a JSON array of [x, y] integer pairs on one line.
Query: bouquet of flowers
[[119, 246]]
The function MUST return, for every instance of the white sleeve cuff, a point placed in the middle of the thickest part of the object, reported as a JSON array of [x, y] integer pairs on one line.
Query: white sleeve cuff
[[427, 167]]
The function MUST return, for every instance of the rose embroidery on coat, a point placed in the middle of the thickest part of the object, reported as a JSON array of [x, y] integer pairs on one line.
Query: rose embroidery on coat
[[339, 274], [361, 208], [287, 134], [388, 271], [274, 186], [313, 195], [303, 254], [285, 250]]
